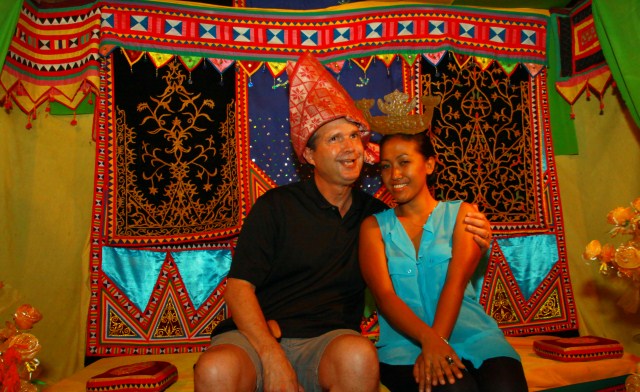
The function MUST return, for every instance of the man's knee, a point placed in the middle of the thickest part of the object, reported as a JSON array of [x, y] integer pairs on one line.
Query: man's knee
[[224, 368], [357, 351], [349, 359]]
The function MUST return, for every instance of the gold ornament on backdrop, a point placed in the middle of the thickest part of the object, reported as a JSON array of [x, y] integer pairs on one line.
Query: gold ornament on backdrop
[[397, 108]]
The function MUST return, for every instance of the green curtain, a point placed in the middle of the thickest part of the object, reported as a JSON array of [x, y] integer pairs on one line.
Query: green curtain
[[9, 13], [563, 130], [618, 28]]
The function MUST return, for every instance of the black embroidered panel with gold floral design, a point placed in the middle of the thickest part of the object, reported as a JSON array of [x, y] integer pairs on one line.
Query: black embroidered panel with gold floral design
[[174, 154], [483, 135]]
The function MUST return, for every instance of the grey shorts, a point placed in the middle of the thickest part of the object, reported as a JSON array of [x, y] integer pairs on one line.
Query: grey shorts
[[304, 354]]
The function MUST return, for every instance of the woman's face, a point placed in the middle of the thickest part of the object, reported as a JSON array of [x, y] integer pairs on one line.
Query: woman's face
[[404, 169]]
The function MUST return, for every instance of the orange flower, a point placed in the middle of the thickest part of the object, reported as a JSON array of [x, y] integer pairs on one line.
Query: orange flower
[[627, 256], [25, 344], [636, 204], [608, 253], [592, 251], [26, 316], [619, 216]]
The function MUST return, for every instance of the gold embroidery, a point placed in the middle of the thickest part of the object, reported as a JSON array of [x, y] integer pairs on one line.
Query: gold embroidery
[[501, 308], [213, 323], [551, 308], [117, 327], [176, 168], [169, 325], [482, 135]]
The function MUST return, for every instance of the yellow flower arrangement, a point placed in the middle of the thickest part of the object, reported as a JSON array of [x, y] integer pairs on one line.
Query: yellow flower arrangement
[[626, 257]]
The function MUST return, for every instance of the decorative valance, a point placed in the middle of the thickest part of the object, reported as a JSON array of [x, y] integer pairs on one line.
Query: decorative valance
[[359, 30], [582, 66], [55, 53], [53, 56]]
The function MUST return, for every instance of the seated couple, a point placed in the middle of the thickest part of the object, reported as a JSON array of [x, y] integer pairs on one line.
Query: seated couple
[[295, 290]]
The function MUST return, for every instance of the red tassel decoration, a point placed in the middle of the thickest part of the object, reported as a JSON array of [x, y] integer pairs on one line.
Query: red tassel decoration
[[74, 122]]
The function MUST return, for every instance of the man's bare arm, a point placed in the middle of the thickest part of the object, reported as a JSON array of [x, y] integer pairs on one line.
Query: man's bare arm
[[278, 374]]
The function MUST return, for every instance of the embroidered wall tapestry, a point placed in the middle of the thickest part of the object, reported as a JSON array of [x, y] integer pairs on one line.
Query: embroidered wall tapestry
[[169, 171], [193, 127]]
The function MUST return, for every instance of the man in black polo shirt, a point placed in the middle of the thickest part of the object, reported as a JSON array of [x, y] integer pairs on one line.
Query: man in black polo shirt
[[294, 290]]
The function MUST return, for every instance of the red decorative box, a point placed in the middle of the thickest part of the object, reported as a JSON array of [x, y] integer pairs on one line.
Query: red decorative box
[[583, 348], [149, 376]]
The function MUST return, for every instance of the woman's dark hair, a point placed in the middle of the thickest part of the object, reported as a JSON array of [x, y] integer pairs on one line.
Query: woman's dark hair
[[422, 139]]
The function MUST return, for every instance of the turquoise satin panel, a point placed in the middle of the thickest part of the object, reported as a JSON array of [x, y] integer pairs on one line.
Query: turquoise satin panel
[[530, 258], [202, 271], [136, 271]]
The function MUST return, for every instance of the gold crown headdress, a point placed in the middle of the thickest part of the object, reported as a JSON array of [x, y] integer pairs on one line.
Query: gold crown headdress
[[396, 107]]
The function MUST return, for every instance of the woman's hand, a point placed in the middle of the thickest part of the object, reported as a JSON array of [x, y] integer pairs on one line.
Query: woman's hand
[[437, 364], [478, 225]]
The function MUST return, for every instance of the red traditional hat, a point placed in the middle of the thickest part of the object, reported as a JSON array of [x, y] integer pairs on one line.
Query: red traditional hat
[[315, 98]]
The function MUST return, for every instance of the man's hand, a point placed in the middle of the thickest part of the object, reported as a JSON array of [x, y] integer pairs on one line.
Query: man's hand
[[479, 226], [274, 328], [277, 372]]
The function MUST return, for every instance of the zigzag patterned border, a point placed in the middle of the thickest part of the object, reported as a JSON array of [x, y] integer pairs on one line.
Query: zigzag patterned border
[[124, 329], [549, 310], [56, 53], [333, 34], [56, 44]]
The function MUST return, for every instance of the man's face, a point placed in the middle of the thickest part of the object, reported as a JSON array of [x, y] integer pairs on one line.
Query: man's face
[[338, 153]]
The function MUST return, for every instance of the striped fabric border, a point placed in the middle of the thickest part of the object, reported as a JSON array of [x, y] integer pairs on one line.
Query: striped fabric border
[[55, 54], [334, 34]]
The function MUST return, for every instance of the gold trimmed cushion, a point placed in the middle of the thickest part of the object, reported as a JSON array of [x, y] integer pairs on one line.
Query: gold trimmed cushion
[[141, 376], [583, 348]]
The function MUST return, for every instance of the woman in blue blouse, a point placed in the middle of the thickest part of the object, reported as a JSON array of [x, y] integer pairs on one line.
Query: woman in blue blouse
[[417, 260]]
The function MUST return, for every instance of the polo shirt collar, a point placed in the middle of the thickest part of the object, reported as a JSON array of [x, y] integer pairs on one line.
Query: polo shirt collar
[[311, 189]]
